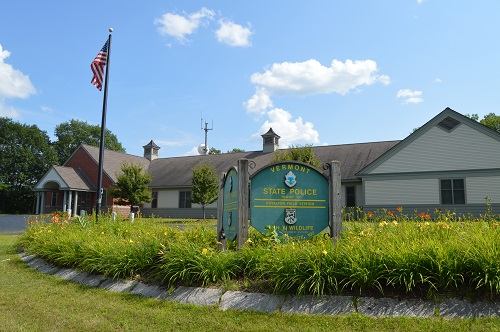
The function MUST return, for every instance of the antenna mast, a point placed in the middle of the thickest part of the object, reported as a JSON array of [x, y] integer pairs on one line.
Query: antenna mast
[[206, 129]]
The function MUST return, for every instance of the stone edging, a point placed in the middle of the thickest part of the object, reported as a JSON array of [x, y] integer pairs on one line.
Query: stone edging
[[288, 304]]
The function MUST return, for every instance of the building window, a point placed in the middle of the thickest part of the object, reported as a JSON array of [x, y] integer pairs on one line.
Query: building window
[[154, 199], [53, 200], [452, 191], [350, 196], [184, 199]]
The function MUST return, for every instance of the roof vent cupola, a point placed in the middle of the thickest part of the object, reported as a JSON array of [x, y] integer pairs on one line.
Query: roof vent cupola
[[151, 151], [270, 141]]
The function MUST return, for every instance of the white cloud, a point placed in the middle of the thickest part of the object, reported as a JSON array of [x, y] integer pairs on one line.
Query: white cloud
[[13, 83], [410, 96], [292, 132], [192, 152], [384, 79], [420, 2], [438, 80], [9, 112], [179, 26], [233, 34], [47, 109], [304, 79], [259, 102], [311, 77]]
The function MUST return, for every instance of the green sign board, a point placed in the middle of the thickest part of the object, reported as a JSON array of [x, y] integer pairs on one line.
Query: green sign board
[[230, 209], [291, 196]]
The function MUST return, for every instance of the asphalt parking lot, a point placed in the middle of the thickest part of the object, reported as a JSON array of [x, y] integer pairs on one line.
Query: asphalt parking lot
[[13, 223]]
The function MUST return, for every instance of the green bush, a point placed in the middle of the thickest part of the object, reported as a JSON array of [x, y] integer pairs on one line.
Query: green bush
[[384, 253]]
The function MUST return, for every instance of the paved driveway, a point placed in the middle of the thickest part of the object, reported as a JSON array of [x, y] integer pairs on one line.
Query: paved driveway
[[13, 223]]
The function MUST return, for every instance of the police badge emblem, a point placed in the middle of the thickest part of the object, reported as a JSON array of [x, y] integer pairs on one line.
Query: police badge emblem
[[290, 179], [290, 216]]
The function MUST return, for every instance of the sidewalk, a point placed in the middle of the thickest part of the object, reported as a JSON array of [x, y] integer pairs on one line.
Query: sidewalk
[[287, 304]]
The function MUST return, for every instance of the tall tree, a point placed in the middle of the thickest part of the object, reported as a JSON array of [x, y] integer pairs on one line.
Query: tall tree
[[75, 132], [490, 120], [205, 186], [214, 151], [25, 155], [298, 153], [236, 150], [131, 187]]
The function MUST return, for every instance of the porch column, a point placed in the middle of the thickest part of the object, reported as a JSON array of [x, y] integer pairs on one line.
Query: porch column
[[75, 212], [64, 200], [37, 207], [69, 204], [42, 207]]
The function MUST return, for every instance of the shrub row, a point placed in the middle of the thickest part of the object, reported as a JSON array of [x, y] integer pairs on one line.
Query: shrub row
[[393, 254]]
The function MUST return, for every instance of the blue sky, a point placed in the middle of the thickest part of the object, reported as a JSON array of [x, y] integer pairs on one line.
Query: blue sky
[[317, 72]]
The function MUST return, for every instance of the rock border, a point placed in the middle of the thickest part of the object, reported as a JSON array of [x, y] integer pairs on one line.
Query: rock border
[[271, 303]]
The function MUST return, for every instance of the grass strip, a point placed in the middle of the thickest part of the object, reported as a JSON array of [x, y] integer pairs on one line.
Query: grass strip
[[32, 301]]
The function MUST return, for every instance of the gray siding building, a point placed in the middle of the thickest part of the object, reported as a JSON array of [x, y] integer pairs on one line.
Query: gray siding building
[[450, 163]]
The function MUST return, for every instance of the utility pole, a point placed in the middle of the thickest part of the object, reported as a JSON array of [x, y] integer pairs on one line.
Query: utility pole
[[206, 129]]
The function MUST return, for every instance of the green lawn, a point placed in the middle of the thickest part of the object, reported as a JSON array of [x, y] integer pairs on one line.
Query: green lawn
[[32, 301]]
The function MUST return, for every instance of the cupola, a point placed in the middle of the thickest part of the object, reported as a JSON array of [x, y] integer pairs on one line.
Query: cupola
[[270, 141], [151, 151]]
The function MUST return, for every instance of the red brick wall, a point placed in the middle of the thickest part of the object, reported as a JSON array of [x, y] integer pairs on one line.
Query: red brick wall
[[81, 159]]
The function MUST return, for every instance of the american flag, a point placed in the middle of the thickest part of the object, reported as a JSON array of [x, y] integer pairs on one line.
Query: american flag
[[97, 66]]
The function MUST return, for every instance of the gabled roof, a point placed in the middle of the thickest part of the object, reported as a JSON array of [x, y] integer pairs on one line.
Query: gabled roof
[[177, 172], [113, 160], [447, 120], [352, 157], [67, 178]]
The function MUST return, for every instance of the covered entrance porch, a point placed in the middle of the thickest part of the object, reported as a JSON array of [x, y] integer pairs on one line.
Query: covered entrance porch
[[64, 189]]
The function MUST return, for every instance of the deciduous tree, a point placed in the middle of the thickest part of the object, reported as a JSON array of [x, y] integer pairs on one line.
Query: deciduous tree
[[490, 120], [236, 150], [131, 187], [204, 186], [75, 132], [297, 153], [25, 155], [214, 151]]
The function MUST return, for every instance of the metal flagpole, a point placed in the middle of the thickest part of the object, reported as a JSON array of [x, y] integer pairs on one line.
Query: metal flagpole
[[103, 131]]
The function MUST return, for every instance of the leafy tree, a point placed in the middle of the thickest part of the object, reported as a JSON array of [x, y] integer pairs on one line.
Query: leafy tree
[[298, 153], [205, 187], [75, 132], [214, 151], [217, 151], [474, 116], [492, 121], [236, 150], [131, 187], [25, 155]]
